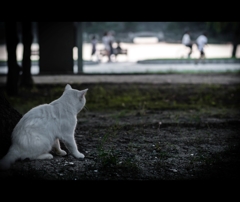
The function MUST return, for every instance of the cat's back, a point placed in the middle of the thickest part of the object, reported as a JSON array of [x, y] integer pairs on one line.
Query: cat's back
[[38, 116], [39, 111]]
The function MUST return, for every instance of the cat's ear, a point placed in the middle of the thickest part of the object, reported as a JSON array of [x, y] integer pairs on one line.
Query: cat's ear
[[83, 92], [67, 87]]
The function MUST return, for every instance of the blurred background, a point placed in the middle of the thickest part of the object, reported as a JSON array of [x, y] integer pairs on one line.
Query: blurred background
[[141, 40]]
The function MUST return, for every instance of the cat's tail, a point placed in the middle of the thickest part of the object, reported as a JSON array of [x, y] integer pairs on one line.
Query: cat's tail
[[8, 160]]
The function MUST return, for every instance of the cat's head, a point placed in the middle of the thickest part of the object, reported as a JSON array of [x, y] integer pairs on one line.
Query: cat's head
[[76, 97]]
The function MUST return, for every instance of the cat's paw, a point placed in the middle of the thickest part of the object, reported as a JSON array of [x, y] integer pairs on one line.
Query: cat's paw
[[45, 156], [61, 153], [79, 155]]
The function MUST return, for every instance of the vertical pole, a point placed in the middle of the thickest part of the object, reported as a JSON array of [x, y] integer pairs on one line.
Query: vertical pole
[[79, 45]]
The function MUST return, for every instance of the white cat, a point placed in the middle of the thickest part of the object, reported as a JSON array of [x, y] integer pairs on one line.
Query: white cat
[[41, 128]]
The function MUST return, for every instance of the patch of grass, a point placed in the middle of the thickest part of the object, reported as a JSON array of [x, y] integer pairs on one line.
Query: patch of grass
[[125, 98], [110, 157], [107, 157], [197, 71], [40, 94], [129, 163], [187, 59], [162, 155], [204, 160], [119, 114]]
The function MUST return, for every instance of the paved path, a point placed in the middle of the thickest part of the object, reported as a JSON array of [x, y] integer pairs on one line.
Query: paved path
[[155, 68], [95, 73]]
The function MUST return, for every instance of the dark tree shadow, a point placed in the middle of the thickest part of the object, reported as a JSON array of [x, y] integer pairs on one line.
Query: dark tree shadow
[[12, 40]]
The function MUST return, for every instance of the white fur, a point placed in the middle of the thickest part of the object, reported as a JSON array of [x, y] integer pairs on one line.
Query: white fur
[[41, 128]]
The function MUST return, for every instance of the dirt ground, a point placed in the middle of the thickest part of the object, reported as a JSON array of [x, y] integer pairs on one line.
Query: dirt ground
[[147, 144], [139, 148]]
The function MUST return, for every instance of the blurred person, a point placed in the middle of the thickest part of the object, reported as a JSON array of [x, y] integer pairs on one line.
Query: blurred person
[[94, 47], [186, 40], [118, 48], [111, 40], [201, 42], [106, 43]]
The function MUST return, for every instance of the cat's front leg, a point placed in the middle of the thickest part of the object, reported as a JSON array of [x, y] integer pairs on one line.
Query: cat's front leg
[[72, 147], [57, 148]]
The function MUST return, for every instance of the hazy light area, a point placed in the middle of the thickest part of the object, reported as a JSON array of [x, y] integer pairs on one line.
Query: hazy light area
[[145, 40], [3, 51], [141, 51]]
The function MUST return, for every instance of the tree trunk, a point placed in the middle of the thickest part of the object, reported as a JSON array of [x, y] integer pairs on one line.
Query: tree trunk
[[9, 117], [56, 42], [27, 38], [13, 67]]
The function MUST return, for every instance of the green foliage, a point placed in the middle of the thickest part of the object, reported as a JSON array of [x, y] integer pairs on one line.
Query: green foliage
[[125, 27], [107, 157], [101, 27], [124, 98], [224, 26], [229, 29]]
